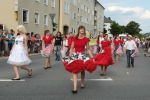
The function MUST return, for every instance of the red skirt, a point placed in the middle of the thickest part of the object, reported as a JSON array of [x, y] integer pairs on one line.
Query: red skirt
[[104, 59], [77, 64], [74, 67]]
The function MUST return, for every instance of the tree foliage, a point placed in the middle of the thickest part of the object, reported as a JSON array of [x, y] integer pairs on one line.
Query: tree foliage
[[115, 28], [133, 28]]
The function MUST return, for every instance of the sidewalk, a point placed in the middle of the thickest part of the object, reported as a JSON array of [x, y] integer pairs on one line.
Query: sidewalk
[[34, 54]]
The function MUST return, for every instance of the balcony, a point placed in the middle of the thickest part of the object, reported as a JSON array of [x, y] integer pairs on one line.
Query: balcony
[[95, 18], [95, 9], [95, 27]]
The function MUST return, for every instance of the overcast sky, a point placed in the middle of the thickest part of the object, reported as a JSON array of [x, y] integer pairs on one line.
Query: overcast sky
[[124, 11]]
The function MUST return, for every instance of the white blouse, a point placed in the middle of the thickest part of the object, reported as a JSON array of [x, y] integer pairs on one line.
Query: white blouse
[[65, 43]]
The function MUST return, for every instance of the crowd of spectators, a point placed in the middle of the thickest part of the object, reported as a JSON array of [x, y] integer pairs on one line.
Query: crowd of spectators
[[7, 40]]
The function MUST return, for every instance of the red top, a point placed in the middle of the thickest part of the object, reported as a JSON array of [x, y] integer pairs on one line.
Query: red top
[[110, 41], [33, 39], [105, 44], [70, 41], [116, 42], [47, 40], [121, 41], [79, 44], [136, 42]]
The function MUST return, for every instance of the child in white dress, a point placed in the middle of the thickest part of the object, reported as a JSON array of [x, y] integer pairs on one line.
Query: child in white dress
[[19, 53]]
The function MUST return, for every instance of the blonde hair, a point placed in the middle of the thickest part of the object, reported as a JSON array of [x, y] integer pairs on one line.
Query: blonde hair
[[21, 29]]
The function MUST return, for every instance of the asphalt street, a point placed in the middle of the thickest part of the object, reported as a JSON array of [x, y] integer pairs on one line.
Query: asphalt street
[[120, 83]]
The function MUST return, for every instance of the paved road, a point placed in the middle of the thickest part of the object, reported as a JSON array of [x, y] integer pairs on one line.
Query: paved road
[[56, 84]]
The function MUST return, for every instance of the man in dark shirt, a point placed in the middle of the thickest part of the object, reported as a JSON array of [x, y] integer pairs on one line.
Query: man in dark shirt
[[58, 45]]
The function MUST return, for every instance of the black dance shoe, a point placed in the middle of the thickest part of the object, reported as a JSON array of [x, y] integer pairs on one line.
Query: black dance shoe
[[30, 74], [101, 74], [74, 92], [15, 79], [49, 67]]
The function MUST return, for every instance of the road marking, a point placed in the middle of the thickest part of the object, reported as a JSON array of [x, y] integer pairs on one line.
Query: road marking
[[8, 80], [100, 79], [127, 72]]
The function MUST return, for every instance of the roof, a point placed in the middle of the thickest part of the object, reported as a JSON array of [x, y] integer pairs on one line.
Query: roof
[[100, 4], [107, 20]]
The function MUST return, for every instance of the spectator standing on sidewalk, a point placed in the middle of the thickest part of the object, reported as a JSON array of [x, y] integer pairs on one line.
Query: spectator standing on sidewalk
[[10, 40], [33, 39], [6, 50], [38, 43], [130, 49], [29, 41], [13, 37], [1, 43]]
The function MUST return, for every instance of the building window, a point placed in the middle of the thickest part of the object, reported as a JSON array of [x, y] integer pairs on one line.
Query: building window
[[81, 18], [74, 2], [93, 13], [45, 2], [36, 18], [37, 0], [78, 11], [53, 3], [25, 15], [73, 15], [74, 30], [45, 20], [66, 8], [92, 22], [85, 8]]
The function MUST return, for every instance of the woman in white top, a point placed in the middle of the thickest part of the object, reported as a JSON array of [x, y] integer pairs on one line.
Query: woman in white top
[[19, 53], [64, 46]]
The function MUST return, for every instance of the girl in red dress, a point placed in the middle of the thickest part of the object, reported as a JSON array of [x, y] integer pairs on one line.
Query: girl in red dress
[[104, 59], [47, 48], [116, 46], [77, 61]]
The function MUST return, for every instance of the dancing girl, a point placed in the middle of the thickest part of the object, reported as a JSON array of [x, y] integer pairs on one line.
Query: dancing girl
[[47, 48], [104, 59], [19, 53], [77, 61]]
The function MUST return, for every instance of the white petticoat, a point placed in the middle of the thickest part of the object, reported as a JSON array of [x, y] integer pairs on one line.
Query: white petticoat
[[18, 56]]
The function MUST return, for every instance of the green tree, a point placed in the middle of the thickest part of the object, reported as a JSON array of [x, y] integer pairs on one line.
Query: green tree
[[122, 29], [139, 35], [115, 28], [133, 28]]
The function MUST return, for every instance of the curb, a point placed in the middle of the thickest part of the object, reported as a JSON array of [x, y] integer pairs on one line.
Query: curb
[[29, 56]]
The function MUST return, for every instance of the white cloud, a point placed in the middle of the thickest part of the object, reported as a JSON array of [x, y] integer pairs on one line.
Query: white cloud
[[137, 11], [125, 9], [110, 4], [146, 15]]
